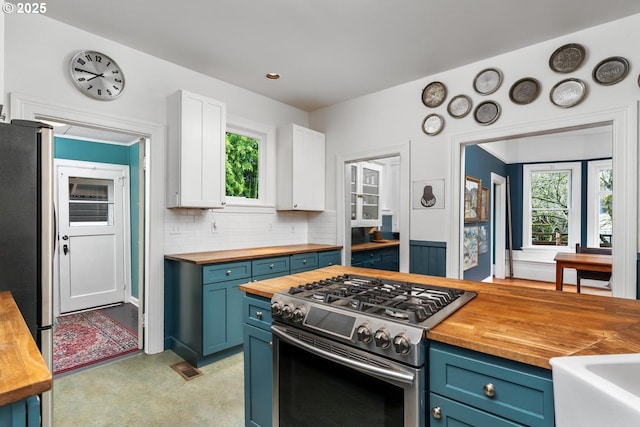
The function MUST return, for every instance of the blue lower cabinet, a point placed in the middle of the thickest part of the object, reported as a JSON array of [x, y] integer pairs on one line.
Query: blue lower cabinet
[[472, 388], [23, 413], [303, 262], [387, 258], [258, 367], [329, 258], [204, 309]]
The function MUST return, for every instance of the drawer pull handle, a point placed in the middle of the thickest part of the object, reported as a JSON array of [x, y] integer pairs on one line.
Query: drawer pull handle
[[270, 344], [489, 389], [271, 266], [228, 272], [259, 314], [304, 261], [436, 412]]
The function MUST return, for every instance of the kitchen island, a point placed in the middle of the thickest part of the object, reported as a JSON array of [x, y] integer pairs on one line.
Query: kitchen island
[[488, 361], [521, 324], [23, 372]]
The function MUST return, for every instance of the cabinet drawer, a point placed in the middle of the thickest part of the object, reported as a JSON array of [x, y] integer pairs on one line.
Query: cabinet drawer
[[366, 256], [270, 266], [303, 262], [256, 311], [522, 393], [228, 271], [328, 258], [452, 413]]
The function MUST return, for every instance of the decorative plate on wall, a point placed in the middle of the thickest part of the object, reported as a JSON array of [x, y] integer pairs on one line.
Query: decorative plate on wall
[[487, 112], [434, 94], [611, 70], [567, 58], [459, 106], [432, 124], [568, 93], [524, 91], [487, 81]]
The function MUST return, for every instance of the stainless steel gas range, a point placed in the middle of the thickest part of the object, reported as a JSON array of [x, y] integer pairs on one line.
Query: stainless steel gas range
[[351, 350]]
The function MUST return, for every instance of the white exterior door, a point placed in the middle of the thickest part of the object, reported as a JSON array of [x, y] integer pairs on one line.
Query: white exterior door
[[93, 215]]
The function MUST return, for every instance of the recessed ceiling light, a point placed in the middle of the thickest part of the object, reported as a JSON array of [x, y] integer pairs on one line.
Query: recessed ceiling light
[[272, 76]]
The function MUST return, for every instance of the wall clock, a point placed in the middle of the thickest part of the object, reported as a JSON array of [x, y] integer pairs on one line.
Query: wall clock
[[96, 75]]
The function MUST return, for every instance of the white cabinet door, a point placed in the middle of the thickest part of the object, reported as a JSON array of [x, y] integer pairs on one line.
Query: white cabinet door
[[366, 179], [301, 169], [196, 151]]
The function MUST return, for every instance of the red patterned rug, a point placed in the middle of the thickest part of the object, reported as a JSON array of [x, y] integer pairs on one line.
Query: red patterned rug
[[82, 339]]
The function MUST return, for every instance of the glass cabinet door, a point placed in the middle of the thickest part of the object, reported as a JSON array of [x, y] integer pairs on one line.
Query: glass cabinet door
[[370, 193], [366, 180], [354, 192]]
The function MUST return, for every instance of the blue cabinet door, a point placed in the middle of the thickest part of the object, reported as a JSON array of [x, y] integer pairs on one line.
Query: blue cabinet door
[[258, 380], [221, 316], [445, 412]]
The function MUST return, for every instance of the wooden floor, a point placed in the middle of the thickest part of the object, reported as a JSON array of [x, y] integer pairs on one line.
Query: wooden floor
[[551, 286]]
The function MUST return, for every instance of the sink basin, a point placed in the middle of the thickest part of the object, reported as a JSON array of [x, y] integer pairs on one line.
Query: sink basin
[[597, 391]]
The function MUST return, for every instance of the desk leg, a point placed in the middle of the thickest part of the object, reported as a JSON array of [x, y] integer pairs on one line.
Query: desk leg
[[559, 274]]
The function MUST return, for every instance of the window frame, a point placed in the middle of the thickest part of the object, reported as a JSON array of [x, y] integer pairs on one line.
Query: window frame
[[574, 197], [593, 199], [265, 134]]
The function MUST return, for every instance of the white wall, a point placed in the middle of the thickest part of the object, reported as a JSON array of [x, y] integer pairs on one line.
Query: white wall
[[37, 54], [396, 114]]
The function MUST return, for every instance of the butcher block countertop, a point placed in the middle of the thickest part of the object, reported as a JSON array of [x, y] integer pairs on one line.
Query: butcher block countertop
[[379, 244], [249, 253], [23, 372], [522, 324]]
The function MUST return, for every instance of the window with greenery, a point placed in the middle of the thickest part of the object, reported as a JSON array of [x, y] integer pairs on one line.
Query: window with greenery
[[552, 210], [600, 220], [242, 166]]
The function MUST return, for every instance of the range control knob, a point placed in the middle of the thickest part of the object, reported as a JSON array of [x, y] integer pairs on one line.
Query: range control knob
[[364, 333], [402, 344], [382, 338], [276, 308], [287, 312], [298, 314]]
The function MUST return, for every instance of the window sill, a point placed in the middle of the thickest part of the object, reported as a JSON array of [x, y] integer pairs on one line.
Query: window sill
[[254, 209]]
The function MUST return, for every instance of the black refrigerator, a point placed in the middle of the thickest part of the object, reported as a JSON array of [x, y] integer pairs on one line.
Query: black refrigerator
[[27, 230]]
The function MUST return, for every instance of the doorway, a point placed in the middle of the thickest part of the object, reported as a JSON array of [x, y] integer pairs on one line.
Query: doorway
[[343, 180], [624, 125], [93, 225]]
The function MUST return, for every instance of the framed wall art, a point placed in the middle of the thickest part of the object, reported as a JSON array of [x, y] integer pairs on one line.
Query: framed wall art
[[472, 200], [483, 236], [428, 194], [470, 244], [484, 205]]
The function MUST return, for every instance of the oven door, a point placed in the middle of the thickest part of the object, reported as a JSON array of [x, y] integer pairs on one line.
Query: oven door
[[318, 382]]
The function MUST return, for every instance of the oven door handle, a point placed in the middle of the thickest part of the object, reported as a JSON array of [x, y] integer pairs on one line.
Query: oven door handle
[[404, 377]]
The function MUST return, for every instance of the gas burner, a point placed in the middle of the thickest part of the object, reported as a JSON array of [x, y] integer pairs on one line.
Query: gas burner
[[401, 301]]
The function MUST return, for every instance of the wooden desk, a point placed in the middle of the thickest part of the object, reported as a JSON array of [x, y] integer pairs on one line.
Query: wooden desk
[[589, 262]]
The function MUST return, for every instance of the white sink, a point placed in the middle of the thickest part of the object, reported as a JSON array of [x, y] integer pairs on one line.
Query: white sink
[[597, 391]]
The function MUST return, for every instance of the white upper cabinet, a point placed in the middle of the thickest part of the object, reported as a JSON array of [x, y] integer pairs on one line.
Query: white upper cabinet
[[195, 151], [301, 169], [365, 189]]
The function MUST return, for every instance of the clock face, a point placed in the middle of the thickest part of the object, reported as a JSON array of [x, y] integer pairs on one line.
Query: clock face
[[96, 75]]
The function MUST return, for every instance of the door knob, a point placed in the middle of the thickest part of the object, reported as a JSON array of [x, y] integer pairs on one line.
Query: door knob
[[65, 237]]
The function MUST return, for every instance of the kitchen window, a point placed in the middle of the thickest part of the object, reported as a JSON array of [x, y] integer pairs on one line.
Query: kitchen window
[[248, 172], [551, 205]]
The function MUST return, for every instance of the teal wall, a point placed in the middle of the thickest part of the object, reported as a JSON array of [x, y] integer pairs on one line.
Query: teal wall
[[90, 151]]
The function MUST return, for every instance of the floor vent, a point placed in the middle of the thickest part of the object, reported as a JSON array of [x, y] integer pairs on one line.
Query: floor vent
[[186, 370]]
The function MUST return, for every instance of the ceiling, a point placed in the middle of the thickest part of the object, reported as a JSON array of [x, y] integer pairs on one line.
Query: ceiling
[[329, 51]]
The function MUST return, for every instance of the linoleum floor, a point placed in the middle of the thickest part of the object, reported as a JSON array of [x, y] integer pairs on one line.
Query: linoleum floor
[[144, 390]]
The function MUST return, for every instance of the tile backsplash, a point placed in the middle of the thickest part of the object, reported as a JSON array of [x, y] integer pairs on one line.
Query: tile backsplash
[[195, 230]]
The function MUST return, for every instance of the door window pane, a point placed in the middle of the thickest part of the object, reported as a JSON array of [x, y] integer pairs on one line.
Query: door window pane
[[90, 202]]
